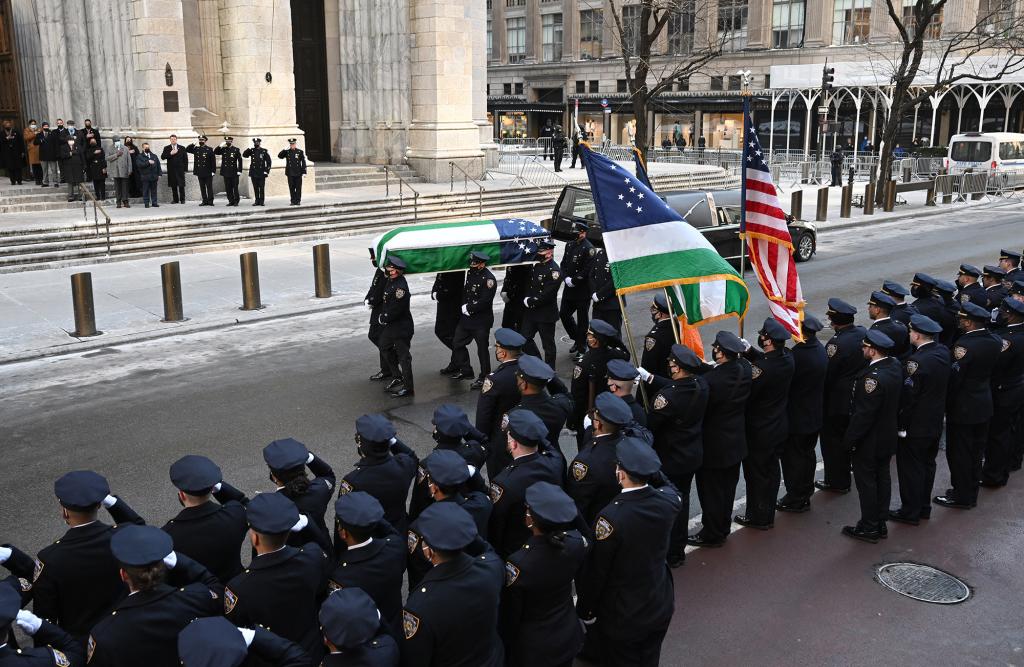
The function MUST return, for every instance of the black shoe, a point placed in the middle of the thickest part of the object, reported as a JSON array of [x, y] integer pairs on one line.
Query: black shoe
[[175, 201], [402, 393], [447, 370], [677, 559], [380, 375], [870, 536], [883, 532], [828, 487], [395, 383], [477, 384], [795, 507], [156, 205], [462, 375], [900, 517], [948, 501], [743, 520], [699, 540], [147, 205]]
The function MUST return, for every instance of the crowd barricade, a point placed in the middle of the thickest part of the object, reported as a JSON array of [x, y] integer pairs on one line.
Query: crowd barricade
[[947, 188], [973, 184]]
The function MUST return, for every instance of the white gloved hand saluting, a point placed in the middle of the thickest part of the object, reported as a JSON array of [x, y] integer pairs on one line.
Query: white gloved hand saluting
[[248, 635], [746, 344], [586, 422], [28, 621], [645, 375], [109, 501], [5, 554], [309, 459], [568, 281], [170, 560], [465, 310], [526, 301], [593, 297]]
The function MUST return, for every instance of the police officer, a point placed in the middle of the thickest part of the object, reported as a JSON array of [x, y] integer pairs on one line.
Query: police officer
[[206, 531], [540, 302], [602, 290], [922, 287], [537, 617], [374, 555], [176, 160], [591, 482], [558, 143], [622, 381], [845, 361], [526, 434], [967, 282], [446, 292], [281, 587], [230, 168], [56, 647], [659, 340], [1009, 261], [475, 321], [76, 580], [214, 642], [590, 374], [725, 441], [805, 408], [574, 311], [880, 307], [385, 469], [676, 420], [498, 395], [543, 394], [1007, 396], [204, 165], [992, 280], [872, 433], [902, 311], [167, 591], [259, 169], [945, 292], [396, 335], [451, 618], [921, 414], [353, 633], [294, 169], [288, 460], [626, 595], [969, 405], [836, 160], [452, 432], [771, 371], [374, 301], [513, 288]]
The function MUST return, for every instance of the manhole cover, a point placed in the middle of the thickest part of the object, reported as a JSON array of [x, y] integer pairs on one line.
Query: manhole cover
[[924, 583]]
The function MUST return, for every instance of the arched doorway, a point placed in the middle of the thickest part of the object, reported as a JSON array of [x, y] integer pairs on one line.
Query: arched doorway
[[309, 52]]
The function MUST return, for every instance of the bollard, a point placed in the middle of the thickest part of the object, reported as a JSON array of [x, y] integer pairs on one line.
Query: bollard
[[890, 196], [796, 204], [250, 282], [822, 213], [85, 312], [170, 277], [869, 198], [930, 195], [322, 270], [846, 201]]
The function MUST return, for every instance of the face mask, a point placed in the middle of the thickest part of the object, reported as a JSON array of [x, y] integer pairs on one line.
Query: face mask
[[915, 291], [117, 144], [71, 142], [761, 341], [32, 127]]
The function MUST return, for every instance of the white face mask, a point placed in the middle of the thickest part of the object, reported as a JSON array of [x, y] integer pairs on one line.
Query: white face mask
[[117, 144], [33, 127]]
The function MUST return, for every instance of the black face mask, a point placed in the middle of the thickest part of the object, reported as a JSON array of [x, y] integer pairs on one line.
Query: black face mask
[[916, 291], [762, 341]]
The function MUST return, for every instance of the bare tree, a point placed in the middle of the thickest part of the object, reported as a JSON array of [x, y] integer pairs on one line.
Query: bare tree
[[921, 66], [638, 27]]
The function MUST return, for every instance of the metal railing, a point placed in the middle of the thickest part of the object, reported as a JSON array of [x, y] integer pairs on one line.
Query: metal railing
[[390, 173], [97, 209], [466, 178]]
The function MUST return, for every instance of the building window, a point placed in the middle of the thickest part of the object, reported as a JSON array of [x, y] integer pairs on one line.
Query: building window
[[515, 38], [934, 29], [788, 24], [717, 83], [631, 29], [591, 33], [519, 88], [732, 24], [683, 84], [621, 86], [593, 86], [506, 88], [734, 82], [515, 3], [581, 87], [851, 22], [995, 16], [680, 27], [767, 81], [551, 30]]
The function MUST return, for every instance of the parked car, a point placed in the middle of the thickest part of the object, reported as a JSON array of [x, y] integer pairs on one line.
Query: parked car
[[715, 214]]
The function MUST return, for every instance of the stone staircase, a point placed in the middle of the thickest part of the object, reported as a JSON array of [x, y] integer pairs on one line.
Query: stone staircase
[[333, 176], [60, 244]]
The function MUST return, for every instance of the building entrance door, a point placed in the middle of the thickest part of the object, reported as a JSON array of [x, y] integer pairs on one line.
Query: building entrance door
[[10, 103], [309, 52]]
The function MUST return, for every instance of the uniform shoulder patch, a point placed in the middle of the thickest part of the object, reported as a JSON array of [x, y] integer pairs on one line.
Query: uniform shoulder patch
[[511, 574], [344, 488], [1006, 345], [603, 529], [411, 540], [25, 584], [964, 298], [870, 384], [649, 343], [504, 422], [831, 349], [660, 402], [230, 600], [410, 624], [90, 648], [488, 384], [959, 351], [911, 367], [38, 570], [59, 659], [400, 293], [496, 493], [755, 371], [579, 470], [333, 585], [577, 371], [490, 283]]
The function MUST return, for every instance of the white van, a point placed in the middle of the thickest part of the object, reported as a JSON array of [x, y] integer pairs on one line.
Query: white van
[[989, 150]]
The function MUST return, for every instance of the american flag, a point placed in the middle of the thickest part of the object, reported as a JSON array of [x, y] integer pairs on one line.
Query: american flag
[[767, 236]]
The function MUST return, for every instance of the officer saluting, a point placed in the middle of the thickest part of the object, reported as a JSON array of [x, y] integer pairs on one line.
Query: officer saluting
[[451, 432], [574, 311], [214, 642], [475, 321], [622, 379], [659, 340], [288, 459], [499, 394], [923, 289], [353, 632], [845, 361], [259, 169], [1007, 396], [540, 302], [992, 280], [294, 169], [230, 168], [591, 482], [396, 336], [385, 469], [204, 165], [602, 290], [56, 647]]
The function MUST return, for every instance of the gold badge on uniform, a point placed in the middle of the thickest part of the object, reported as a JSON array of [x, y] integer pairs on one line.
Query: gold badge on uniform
[[649, 343], [410, 624], [959, 352], [1006, 345], [964, 298], [831, 349], [660, 402], [755, 371], [577, 371], [90, 648], [579, 470], [399, 293], [490, 283], [496, 493], [593, 251], [911, 367], [603, 528], [411, 540], [487, 386], [344, 488], [59, 659], [870, 384], [511, 574], [230, 600]]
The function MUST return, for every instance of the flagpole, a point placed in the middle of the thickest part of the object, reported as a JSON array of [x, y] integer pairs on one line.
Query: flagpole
[[632, 347], [743, 194]]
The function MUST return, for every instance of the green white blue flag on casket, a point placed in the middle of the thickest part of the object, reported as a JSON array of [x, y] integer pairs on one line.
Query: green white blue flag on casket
[[445, 246]]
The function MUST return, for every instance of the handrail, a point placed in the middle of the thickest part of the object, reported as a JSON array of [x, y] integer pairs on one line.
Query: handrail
[[96, 206], [466, 178], [402, 183]]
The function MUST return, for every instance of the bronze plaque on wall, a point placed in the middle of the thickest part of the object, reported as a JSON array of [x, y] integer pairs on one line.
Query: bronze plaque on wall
[[170, 101]]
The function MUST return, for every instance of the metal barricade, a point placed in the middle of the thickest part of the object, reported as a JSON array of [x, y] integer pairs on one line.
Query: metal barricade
[[947, 187], [974, 185]]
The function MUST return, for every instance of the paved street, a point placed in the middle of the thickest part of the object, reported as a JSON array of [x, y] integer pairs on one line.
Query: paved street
[[801, 594]]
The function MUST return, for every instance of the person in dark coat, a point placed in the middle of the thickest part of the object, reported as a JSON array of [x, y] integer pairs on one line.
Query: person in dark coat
[[880, 307], [96, 166], [148, 166], [446, 292], [537, 617], [558, 144], [540, 300], [204, 165], [72, 163], [659, 340], [591, 481], [55, 647], [836, 161], [623, 378], [543, 394], [373, 300], [902, 311], [89, 133], [135, 183], [13, 153], [805, 407], [474, 321], [259, 169], [396, 335], [922, 287], [602, 290], [590, 374], [513, 289], [230, 168], [288, 460], [176, 159], [872, 434], [498, 395], [968, 282], [354, 632], [294, 169], [1007, 396], [574, 310], [48, 142]]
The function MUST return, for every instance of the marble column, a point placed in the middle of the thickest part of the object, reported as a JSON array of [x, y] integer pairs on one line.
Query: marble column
[[478, 20], [818, 23], [570, 30], [759, 24], [442, 127], [499, 34], [533, 32]]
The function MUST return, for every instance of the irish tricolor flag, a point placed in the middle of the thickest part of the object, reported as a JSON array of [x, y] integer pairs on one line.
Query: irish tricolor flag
[[650, 246]]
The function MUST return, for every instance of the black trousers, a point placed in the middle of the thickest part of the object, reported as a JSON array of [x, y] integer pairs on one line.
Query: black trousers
[[575, 156], [295, 187], [121, 188], [834, 454], [374, 335], [99, 188], [559, 154], [612, 317], [716, 489], [37, 173], [176, 181], [532, 327], [639, 651], [258, 189], [231, 186], [915, 469], [464, 335], [575, 316], [874, 488], [999, 449], [446, 318], [206, 189], [965, 446], [798, 465], [837, 175], [14, 173], [683, 481], [397, 356], [763, 477], [512, 316]]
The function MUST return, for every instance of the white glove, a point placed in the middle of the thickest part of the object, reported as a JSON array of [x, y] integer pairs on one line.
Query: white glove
[[504, 297], [645, 375], [109, 501], [746, 344], [217, 487], [5, 554], [170, 560], [300, 524], [526, 301], [309, 459], [586, 422], [465, 310], [28, 621], [248, 635], [593, 297], [568, 281], [901, 434], [590, 622], [392, 441], [472, 469]]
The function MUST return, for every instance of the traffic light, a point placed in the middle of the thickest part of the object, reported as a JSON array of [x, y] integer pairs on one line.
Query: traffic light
[[828, 76]]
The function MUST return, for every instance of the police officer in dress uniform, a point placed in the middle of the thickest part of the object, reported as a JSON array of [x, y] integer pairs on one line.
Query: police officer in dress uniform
[[475, 320], [659, 340], [1007, 396], [454, 433], [56, 647], [992, 280], [540, 302], [922, 410], [771, 371], [513, 289], [945, 291], [353, 633], [602, 290], [626, 594], [922, 287], [805, 408], [537, 618], [880, 307], [526, 434], [281, 588], [230, 168], [622, 381], [397, 332], [76, 579], [288, 460], [447, 293], [542, 393], [591, 481], [214, 642], [676, 420], [374, 300], [845, 361], [204, 165], [902, 311], [451, 618], [725, 441], [872, 433], [969, 405], [590, 374], [176, 160], [259, 169], [1009, 261], [574, 310], [294, 169], [498, 395], [374, 555], [208, 532], [167, 591], [967, 282]]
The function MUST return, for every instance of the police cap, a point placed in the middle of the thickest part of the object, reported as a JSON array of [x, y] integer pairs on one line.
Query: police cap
[[729, 342], [229, 139], [550, 503], [81, 489], [1012, 305], [510, 339], [446, 467], [396, 261], [812, 324], [923, 280], [477, 256], [578, 226], [527, 428], [10, 605], [878, 340], [620, 369], [774, 330], [994, 271], [945, 287], [358, 509], [375, 428], [924, 324], [1010, 255], [212, 642], [880, 299], [545, 244], [661, 303], [450, 420], [349, 617], [970, 270], [202, 137], [686, 358], [1017, 287], [272, 513], [840, 307], [136, 546], [613, 409], [973, 311], [602, 328], [194, 474], [446, 527], [256, 140], [534, 370], [285, 454], [893, 288], [292, 141], [637, 457]]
